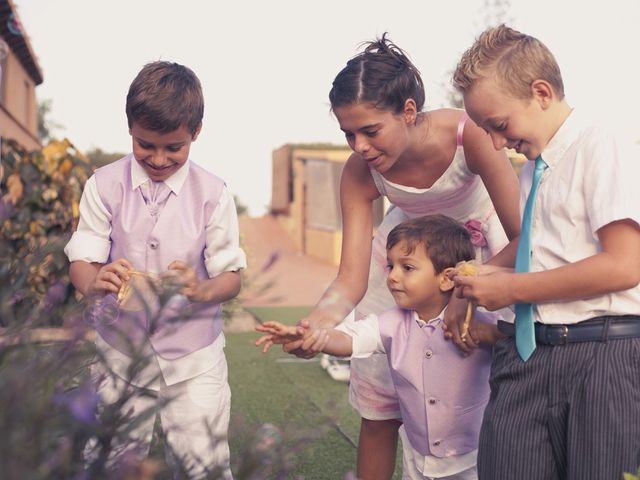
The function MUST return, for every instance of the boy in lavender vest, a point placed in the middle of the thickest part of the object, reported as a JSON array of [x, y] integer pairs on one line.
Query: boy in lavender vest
[[157, 212], [442, 394]]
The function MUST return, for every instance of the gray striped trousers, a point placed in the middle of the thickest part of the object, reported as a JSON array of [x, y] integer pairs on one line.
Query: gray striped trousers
[[571, 412]]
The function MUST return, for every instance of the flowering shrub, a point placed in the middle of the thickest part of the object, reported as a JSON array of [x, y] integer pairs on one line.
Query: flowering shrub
[[38, 212], [49, 414]]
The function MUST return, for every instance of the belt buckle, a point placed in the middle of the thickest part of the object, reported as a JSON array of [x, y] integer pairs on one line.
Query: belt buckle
[[564, 335], [554, 335]]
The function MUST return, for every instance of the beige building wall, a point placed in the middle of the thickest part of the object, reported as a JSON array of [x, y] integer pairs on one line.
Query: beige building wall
[[322, 244], [289, 196], [292, 197]]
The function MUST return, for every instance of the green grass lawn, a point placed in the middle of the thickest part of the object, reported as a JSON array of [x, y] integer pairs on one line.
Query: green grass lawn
[[316, 430], [319, 428]]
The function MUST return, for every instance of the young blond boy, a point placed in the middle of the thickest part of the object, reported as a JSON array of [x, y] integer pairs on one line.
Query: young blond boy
[[442, 393], [571, 409]]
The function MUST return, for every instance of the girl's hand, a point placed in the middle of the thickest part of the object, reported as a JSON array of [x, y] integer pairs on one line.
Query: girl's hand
[[185, 277], [109, 278], [278, 334]]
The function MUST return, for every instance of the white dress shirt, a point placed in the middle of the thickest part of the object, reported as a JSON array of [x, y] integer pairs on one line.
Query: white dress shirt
[[591, 181]]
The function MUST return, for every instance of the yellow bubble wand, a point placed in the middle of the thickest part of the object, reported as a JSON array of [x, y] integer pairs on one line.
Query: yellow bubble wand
[[467, 269]]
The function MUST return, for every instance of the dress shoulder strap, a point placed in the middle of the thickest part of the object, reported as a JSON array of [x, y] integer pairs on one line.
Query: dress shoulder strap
[[461, 123], [377, 179]]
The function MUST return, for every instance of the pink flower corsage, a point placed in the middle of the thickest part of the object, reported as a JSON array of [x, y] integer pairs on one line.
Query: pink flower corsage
[[474, 227]]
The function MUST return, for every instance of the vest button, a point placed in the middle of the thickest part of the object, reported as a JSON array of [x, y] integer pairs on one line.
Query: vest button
[[432, 401], [436, 443], [428, 354], [153, 244]]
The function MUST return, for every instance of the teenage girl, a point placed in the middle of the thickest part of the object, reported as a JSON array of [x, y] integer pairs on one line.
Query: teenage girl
[[424, 162]]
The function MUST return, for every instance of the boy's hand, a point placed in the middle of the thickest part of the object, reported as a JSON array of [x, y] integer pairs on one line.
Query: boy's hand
[[279, 334], [109, 278], [480, 269], [315, 322], [182, 275], [492, 291], [314, 341], [454, 318]]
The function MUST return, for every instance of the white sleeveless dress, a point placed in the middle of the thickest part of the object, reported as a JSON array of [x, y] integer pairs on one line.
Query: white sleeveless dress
[[459, 194]]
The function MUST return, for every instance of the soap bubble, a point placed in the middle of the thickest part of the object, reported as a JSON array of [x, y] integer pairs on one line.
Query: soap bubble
[[101, 311]]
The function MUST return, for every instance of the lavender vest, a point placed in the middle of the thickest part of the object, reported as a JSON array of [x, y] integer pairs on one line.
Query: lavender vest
[[442, 394], [179, 234]]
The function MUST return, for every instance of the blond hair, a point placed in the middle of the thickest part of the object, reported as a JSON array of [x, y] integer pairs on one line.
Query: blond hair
[[515, 60]]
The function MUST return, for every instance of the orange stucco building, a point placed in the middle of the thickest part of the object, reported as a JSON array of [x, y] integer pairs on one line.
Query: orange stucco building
[[20, 76]]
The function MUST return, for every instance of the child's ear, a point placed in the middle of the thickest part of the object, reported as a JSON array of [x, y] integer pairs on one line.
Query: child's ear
[[543, 93], [197, 132], [410, 111], [446, 283]]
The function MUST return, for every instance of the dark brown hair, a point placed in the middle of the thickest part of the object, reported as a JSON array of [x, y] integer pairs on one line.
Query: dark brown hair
[[165, 96], [446, 242], [514, 59], [382, 75]]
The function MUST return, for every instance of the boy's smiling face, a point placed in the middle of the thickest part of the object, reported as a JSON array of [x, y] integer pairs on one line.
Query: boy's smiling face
[[521, 124], [161, 154]]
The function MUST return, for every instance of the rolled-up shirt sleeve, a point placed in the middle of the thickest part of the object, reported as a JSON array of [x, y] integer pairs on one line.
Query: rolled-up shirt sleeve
[[91, 241], [365, 335], [222, 252]]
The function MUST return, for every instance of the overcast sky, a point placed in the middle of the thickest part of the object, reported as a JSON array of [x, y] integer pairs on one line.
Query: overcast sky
[[266, 66]]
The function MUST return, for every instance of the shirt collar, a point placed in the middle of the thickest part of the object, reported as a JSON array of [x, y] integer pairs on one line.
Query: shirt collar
[[433, 321], [561, 140], [174, 182]]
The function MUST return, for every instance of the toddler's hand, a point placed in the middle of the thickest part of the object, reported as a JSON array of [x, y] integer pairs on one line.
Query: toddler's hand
[[278, 334], [314, 341], [109, 278], [308, 348]]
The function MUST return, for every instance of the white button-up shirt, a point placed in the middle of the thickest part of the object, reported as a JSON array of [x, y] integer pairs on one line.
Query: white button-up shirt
[[591, 182]]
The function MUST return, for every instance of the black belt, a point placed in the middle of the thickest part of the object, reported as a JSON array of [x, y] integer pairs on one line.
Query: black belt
[[595, 329]]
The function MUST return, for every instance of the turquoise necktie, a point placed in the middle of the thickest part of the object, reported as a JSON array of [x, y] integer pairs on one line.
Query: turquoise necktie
[[525, 334]]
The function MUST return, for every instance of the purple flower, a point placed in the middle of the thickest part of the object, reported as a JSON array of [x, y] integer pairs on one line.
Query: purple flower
[[474, 227], [56, 294], [273, 258], [6, 209], [82, 402]]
